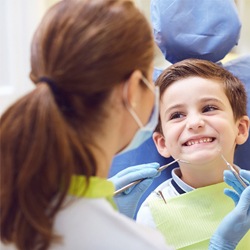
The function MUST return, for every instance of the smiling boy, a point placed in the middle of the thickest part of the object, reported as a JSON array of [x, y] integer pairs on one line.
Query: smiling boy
[[202, 116]]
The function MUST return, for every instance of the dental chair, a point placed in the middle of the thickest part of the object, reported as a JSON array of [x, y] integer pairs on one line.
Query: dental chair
[[183, 30]]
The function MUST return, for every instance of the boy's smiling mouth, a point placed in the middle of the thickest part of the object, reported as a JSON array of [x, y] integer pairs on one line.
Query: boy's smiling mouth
[[199, 141]]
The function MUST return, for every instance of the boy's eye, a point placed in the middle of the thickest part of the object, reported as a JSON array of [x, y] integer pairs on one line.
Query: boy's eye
[[176, 115], [209, 108]]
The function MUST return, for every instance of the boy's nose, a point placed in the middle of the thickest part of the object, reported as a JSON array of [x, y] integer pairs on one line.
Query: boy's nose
[[195, 122]]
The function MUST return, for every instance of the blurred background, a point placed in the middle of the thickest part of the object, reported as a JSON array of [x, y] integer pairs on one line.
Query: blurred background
[[18, 21]]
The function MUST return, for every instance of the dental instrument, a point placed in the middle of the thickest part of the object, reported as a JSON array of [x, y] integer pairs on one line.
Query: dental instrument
[[235, 173], [160, 169], [161, 195]]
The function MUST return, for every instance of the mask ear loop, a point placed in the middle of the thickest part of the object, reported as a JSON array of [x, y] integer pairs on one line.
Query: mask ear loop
[[128, 106], [147, 83]]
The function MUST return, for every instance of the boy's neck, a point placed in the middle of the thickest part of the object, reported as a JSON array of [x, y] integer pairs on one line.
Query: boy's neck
[[201, 177]]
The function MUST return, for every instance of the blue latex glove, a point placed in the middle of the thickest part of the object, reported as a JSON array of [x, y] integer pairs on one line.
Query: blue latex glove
[[232, 181], [128, 200], [237, 223]]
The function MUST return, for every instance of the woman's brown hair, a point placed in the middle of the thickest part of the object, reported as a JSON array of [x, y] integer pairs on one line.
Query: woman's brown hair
[[233, 87], [80, 51]]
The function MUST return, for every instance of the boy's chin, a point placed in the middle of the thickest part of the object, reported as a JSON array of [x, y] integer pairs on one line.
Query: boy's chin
[[199, 157]]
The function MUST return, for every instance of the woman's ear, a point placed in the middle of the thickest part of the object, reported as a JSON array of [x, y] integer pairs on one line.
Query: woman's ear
[[159, 141], [132, 92], [243, 130]]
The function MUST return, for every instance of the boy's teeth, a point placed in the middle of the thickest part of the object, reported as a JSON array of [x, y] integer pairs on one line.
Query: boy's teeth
[[202, 140]]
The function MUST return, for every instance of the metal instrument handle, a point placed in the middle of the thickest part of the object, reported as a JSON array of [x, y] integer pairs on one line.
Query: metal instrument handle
[[138, 181]]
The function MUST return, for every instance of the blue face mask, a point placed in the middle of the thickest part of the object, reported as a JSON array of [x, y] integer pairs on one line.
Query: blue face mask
[[144, 132]]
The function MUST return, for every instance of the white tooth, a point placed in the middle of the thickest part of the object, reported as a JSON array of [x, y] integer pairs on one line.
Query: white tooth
[[203, 140]]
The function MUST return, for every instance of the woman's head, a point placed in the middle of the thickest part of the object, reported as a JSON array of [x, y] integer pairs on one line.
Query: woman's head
[[87, 47]]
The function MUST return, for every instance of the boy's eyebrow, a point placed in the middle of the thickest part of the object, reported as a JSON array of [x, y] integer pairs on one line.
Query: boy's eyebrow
[[213, 99], [177, 106]]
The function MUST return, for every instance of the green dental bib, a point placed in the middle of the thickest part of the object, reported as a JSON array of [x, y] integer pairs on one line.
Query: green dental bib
[[97, 188], [188, 221]]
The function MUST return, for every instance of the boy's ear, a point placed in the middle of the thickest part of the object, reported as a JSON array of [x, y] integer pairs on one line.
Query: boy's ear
[[159, 141], [243, 130]]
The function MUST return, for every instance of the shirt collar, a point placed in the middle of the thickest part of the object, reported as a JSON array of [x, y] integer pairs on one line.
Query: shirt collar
[[176, 174]]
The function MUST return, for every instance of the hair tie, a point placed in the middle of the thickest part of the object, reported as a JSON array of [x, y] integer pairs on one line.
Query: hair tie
[[50, 83], [59, 95]]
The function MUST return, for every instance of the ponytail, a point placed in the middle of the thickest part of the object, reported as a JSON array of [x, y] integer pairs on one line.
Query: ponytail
[[36, 157]]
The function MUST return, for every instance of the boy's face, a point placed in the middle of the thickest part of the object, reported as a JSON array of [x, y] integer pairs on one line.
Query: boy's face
[[197, 122]]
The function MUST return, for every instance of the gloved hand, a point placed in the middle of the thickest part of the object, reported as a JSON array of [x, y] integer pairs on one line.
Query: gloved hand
[[128, 200], [231, 180], [237, 223]]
